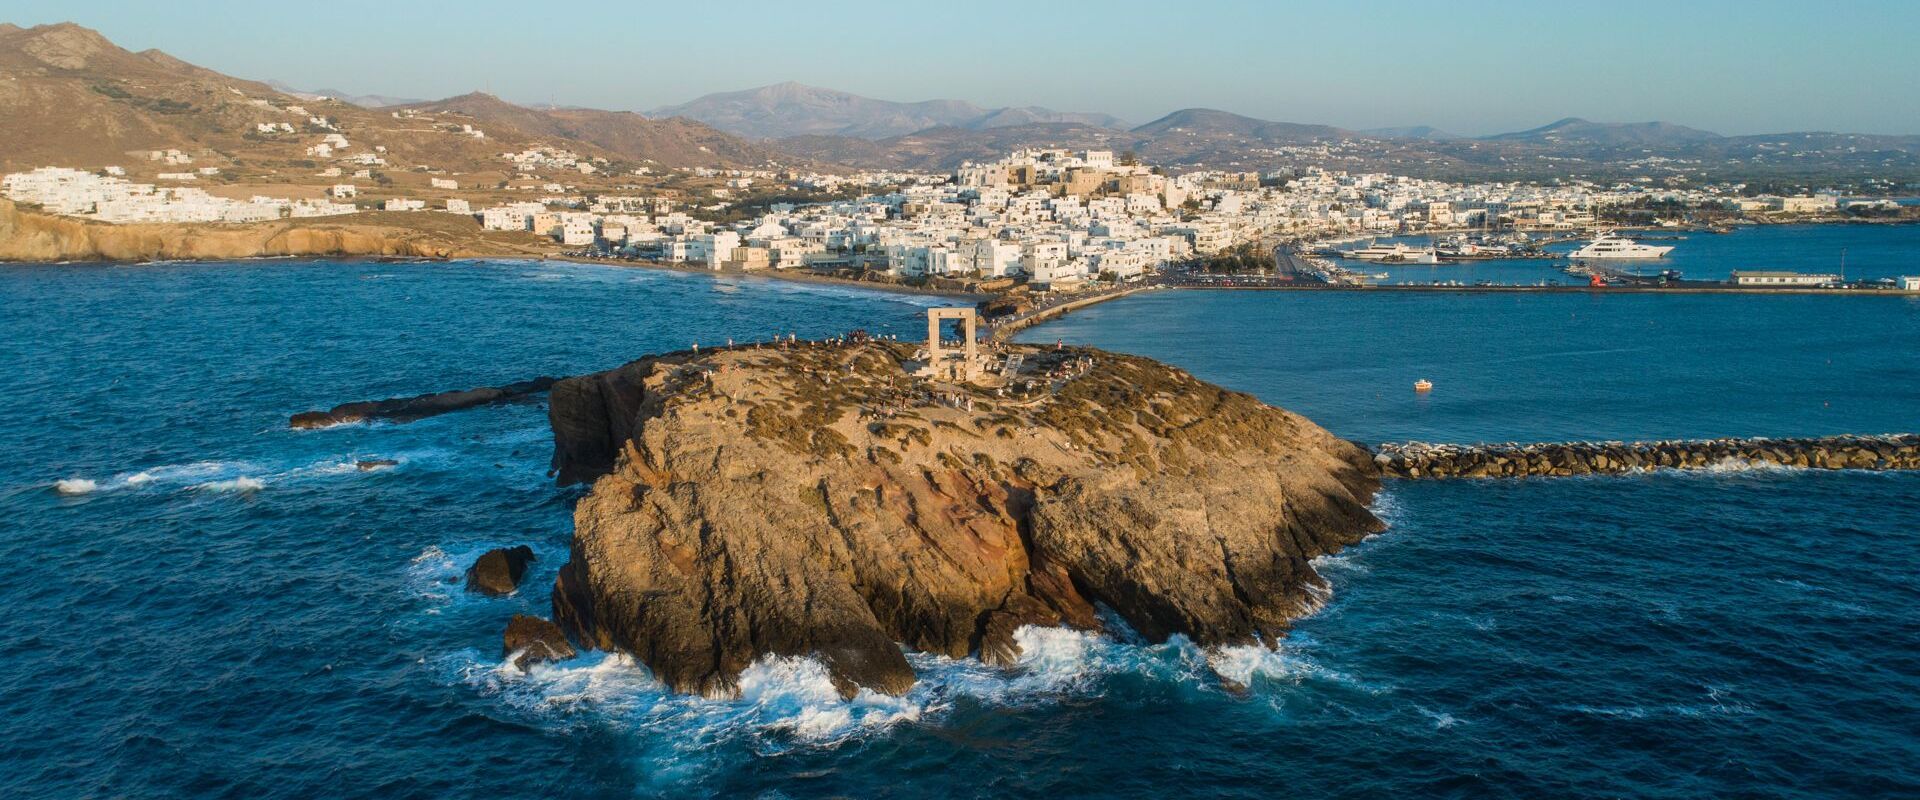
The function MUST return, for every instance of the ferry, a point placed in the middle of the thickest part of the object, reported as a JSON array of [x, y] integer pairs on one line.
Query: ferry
[[1608, 245], [1397, 253]]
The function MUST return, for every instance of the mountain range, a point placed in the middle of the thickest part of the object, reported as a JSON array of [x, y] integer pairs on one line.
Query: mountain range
[[68, 96], [792, 109], [361, 100]]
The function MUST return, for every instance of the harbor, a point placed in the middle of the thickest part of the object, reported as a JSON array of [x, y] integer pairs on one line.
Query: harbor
[[1872, 260]]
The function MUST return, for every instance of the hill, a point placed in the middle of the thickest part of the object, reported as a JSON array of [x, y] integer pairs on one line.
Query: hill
[[70, 97], [1574, 130], [673, 141]]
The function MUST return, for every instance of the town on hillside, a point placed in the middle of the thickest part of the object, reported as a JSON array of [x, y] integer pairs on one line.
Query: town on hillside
[[1045, 218]]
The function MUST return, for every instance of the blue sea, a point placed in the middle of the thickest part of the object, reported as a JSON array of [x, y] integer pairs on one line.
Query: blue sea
[[203, 603]]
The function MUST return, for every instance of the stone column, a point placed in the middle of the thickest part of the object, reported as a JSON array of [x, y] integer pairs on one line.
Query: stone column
[[973, 345]]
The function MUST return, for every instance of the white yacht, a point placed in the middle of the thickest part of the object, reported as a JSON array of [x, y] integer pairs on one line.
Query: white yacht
[[1398, 253], [1609, 245]]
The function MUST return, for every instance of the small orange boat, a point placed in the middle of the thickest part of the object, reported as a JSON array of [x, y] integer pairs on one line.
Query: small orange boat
[[1423, 386]]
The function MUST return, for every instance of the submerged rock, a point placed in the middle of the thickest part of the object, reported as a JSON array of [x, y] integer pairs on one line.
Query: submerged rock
[[535, 640], [818, 501], [498, 572], [371, 464]]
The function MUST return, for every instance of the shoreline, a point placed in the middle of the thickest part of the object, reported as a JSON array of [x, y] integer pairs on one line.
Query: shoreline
[[1594, 290], [773, 275]]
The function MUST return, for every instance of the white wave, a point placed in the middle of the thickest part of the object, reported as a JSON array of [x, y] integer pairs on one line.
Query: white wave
[[785, 702], [199, 471], [1387, 506], [225, 476], [435, 574], [1441, 719], [240, 484], [1731, 465]]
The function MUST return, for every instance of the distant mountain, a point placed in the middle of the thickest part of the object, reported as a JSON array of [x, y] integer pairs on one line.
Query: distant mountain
[[674, 141], [1212, 123], [792, 109], [1034, 115], [943, 148], [1574, 130], [1426, 133], [361, 100]]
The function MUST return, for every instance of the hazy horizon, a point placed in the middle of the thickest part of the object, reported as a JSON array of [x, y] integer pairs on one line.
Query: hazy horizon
[[1745, 68]]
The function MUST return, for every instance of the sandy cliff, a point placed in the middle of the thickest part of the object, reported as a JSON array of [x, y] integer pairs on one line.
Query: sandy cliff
[[31, 236], [818, 501]]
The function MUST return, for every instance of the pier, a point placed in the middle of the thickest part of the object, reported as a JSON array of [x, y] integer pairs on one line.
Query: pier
[[1899, 451]]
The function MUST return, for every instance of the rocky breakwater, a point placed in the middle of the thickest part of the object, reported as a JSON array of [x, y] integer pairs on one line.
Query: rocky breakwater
[[820, 501], [1419, 460], [409, 409]]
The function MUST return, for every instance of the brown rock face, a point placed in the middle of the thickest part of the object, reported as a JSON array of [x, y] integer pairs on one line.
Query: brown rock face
[[536, 640], [498, 572], [819, 501], [29, 236]]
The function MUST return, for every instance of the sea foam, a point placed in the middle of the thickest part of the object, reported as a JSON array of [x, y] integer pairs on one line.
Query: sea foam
[[787, 702], [240, 484]]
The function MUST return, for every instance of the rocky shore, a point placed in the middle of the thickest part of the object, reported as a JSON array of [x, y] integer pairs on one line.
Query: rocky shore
[[1420, 460], [408, 409], [819, 500]]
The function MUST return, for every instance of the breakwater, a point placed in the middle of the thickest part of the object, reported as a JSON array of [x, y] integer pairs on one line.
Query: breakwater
[[1003, 329], [1514, 460]]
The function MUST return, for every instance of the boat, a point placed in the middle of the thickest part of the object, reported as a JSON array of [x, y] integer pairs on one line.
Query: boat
[[1609, 245], [1423, 386], [1397, 253]]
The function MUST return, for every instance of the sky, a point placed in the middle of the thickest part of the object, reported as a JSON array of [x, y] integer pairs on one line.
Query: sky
[[1473, 67]]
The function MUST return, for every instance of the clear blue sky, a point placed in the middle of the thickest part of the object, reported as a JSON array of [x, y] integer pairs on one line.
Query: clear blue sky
[[1470, 66]]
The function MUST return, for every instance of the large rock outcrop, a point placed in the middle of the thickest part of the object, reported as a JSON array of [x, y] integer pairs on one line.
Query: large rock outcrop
[[497, 572], [817, 500]]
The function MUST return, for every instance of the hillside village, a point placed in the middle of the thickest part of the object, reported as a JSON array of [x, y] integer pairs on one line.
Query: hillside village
[[168, 142], [1047, 217]]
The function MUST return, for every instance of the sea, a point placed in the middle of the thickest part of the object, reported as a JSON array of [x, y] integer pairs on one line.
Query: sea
[[201, 602]]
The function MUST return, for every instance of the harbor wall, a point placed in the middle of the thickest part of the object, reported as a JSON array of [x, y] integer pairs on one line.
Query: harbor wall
[[1512, 460]]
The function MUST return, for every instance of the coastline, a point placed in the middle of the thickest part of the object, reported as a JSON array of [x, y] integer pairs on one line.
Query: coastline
[[770, 274]]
